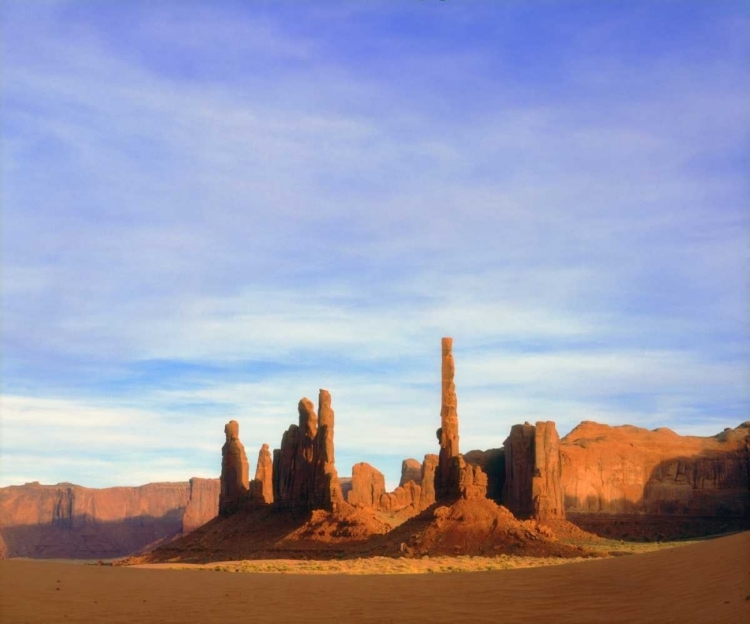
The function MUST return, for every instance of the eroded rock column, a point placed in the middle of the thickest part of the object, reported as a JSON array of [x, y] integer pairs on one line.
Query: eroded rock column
[[445, 485], [262, 485], [533, 472], [304, 474], [234, 470]]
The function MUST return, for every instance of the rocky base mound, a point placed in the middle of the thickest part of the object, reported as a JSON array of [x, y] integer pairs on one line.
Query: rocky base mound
[[270, 533], [465, 527], [478, 527]]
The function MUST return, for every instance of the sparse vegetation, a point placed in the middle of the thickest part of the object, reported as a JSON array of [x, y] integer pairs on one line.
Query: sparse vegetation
[[424, 565], [382, 565]]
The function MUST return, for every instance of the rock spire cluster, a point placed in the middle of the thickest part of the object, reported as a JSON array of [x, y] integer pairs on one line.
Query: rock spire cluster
[[304, 474]]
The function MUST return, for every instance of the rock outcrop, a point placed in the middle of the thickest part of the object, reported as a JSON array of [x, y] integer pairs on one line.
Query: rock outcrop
[[235, 483], [471, 479], [202, 503], [411, 470], [454, 478], [446, 485], [368, 486], [304, 474], [533, 472], [492, 463], [71, 521], [630, 470], [404, 497], [261, 488], [427, 493]]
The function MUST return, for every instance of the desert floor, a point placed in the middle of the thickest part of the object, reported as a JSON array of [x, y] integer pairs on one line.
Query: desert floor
[[707, 581]]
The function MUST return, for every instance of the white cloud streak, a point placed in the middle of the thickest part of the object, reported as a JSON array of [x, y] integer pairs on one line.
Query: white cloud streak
[[328, 222]]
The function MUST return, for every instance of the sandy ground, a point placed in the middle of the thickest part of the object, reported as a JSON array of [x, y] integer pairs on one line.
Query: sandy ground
[[704, 582]]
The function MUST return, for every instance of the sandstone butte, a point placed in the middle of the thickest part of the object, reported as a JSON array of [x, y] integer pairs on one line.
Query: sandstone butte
[[70, 521], [599, 476]]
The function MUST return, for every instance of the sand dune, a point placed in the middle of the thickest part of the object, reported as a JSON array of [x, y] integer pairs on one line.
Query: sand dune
[[705, 582]]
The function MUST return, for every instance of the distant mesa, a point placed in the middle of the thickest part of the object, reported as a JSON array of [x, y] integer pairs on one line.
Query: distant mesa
[[617, 481]]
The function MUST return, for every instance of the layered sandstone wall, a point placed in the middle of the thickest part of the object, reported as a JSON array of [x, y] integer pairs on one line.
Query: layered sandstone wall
[[202, 503], [533, 472], [71, 521], [630, 470]]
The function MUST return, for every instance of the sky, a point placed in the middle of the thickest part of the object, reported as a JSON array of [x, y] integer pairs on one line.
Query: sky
[[212, 210]]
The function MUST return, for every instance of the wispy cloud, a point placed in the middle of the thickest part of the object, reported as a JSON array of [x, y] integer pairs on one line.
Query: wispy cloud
[[218, 210]]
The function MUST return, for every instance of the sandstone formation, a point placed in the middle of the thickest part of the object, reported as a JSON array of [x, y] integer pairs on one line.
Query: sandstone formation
[[533, 472], [235, 483], [261, 488], [404, 497], [70, 521], [454, 477], [445, 483], [202, 503], [492, 463], [630, 470], [368, 491], [368, 486], [470, 479], [477, 527], [427, 493], [304, 474], [411, 470]]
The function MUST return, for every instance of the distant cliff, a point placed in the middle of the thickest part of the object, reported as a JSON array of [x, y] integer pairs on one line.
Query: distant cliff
[[71, 521], [630, 470]]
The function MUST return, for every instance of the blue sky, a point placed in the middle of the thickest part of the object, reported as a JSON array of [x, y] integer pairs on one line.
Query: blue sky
[[212, 210]]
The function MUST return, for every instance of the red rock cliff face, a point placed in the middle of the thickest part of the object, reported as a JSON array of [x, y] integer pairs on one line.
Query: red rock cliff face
[[533, 470], [368, 485], [202, 503], [70, 521], [627, 470]]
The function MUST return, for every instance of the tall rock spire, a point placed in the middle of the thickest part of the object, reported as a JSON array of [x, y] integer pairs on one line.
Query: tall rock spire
[[448, 432], [234, 470]]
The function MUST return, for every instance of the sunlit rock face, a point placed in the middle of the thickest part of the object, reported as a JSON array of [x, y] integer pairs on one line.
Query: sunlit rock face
[[630, 470], [304, 471], [235, 483]]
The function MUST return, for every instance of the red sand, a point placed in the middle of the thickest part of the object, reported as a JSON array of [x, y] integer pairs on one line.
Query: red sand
[[704, 582]]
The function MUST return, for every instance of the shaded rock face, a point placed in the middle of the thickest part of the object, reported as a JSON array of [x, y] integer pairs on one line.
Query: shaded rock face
[[492, 462], [235, 482], [368, 486], [304, 474], [70, 521], [411, 470], [346, 486], [630, 470], [445, 483], [533, 468]]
